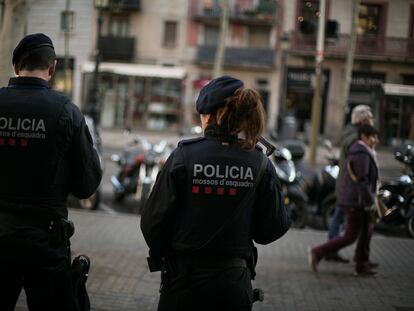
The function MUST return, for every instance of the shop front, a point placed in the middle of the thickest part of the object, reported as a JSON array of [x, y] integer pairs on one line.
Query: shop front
[[364, 91], [299, 96], [62, 80], [138, 96], [397, 118]]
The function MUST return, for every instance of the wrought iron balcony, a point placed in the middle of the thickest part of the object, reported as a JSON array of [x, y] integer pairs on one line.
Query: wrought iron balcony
[[260, 14], [237, 57], [125, 5], [117, 48], [367, 46]]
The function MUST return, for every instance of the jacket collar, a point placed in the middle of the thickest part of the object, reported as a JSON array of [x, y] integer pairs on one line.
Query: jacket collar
[[28, 82], [217, 133]]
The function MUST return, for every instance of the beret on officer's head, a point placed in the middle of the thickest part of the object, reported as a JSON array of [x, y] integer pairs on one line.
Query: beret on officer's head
[[30, 43], [214, 94]]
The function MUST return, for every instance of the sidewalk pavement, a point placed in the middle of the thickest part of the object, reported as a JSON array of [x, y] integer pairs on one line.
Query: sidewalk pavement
[[120, 281]]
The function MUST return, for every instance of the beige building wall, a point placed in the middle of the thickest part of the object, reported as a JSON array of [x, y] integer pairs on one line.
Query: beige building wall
[[148, 28], [44, 16], [398, 18], [289, 15]]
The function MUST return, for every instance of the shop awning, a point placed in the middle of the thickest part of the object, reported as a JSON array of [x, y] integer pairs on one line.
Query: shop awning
[[398, 89], [137, 70]]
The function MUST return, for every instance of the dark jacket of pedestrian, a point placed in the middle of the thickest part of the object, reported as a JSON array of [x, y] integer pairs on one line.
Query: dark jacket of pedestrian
[[360, 164], [350, 135]]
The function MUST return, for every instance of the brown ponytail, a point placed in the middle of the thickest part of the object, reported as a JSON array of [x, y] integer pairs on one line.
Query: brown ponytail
[[243, 112]]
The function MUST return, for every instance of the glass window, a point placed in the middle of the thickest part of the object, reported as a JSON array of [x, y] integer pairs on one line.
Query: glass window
[[170, 33], [62, 80], [118, 26], [211, 7], [411, 25], [309, 12], [164, 106], [1, 12], [211, 35], [67, 21], [369, 19], [259, 37]]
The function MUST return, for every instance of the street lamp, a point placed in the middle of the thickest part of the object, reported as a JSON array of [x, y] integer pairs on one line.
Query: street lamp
[[94, 106]]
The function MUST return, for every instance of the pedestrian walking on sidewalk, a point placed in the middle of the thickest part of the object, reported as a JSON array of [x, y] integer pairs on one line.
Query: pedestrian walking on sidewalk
[[355, 198], [46, 152], [361, 115], [215, 195]]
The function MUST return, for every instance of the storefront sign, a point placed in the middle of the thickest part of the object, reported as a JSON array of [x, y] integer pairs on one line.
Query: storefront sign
[[304, 77], [366, 81], [398, 89]]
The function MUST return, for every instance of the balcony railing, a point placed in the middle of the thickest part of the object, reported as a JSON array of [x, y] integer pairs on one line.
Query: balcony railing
[[263, 13], [125, 5], [367, 46], [237, 57], [116, 48]]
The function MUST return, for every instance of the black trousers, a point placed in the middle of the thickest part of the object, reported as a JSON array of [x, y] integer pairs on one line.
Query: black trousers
[[212, 289], [33, 264], [42, 290]]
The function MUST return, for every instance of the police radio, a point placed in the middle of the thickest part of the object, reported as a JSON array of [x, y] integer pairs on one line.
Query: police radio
[[270, 148]]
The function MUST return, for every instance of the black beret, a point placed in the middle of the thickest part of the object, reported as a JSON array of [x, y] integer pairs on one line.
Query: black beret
[[213, 95], [30, 43]]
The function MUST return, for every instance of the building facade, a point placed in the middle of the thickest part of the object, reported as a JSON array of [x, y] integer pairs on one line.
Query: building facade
[[250, 52], [384, 55], [68, 24], [156, 55], [142, 73]]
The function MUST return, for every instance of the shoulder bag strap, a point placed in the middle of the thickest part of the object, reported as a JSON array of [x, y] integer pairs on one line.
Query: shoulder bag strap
[[351, 172]]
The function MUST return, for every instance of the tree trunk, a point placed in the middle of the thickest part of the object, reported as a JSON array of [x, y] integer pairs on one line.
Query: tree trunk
[[12, 27]]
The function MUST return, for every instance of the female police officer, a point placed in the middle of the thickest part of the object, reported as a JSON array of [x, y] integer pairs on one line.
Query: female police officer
[[214, 195]]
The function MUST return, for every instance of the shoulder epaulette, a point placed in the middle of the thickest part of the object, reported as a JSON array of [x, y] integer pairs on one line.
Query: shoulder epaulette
[[190, 141]]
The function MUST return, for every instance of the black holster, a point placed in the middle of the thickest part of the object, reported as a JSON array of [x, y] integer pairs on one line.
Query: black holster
[[258, 294], [60, 231]]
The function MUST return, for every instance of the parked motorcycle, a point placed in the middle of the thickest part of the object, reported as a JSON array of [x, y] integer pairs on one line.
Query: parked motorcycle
[[398, 195], [319, 187], [139, 167], [284, 163]]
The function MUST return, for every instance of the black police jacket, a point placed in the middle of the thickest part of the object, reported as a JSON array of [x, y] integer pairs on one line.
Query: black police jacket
[[203, 181], [46, 150]]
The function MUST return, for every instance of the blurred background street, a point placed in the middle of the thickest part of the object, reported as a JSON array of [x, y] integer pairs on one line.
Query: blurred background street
[[137, 66]]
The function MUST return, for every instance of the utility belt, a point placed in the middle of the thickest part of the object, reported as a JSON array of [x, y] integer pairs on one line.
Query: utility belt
[[59, 229], [195, 262], [174, 264]]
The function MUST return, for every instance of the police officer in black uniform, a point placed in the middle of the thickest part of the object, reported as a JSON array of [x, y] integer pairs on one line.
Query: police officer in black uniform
[[215, 195], [46, 152]]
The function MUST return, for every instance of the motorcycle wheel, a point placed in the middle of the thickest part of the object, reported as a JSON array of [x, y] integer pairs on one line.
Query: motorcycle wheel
[[409, 227], [145, 192], [328, 213], [297, 212], [119, 196], [91, 203]]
